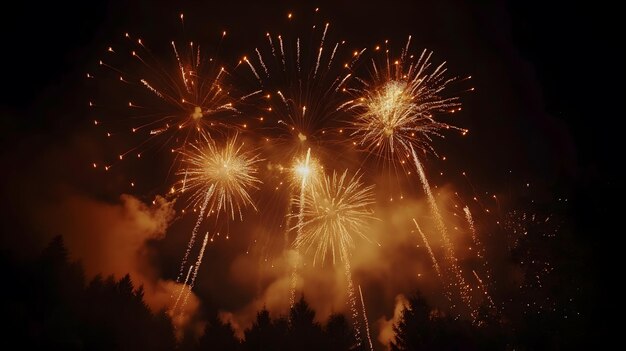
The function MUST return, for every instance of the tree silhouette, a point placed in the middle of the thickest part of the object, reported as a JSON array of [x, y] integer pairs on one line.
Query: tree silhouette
[[219, 336], [304, 332], [53, 308], [339, 334], [265, 335], [421, 328]]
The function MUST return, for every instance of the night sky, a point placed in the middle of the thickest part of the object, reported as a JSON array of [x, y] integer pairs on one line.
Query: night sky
[[544, 111]]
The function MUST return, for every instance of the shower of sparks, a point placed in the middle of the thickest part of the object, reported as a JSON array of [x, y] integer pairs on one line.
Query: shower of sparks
[[396, 107], [164, 103], [228, 169]]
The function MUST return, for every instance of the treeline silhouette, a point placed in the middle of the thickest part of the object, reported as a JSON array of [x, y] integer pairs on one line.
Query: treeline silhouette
[[49, 304]]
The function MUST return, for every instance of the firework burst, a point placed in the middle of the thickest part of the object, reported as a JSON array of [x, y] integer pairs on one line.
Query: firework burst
[[336, 211], [395, 109], [219, 179], [224, 174], [303, 83], [165, 101]]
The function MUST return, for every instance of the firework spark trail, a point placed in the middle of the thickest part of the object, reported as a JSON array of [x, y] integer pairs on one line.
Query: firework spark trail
[[433, 204], [303, 171], [485, 291], [182, 290], [183, 73], [464, 288], [351, 298], [470, 222], [195, 272], [253, 70], [430, 251], [480, 247], [298, 55], [319, 54], [367, 324], [282, 52], [300, 89], [194, 232], [269, 38], [262, 62]]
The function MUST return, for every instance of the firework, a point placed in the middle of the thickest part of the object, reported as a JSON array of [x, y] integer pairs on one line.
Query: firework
[[225, 174], [335, 212], [164, 100], [395, 109], [303, 84], [219, 179], [302, 74], [395, 115]]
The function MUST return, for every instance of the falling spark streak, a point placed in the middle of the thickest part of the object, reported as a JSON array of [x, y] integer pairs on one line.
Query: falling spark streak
[[282, 51], [182, 290], [430, 251], [470, 222], [485, 291], [433, 204], [319, 54], [195, 272], [351, 298], [367, 325], [480, 252], [194, 232], [261, 61], [298, 55], [269, 38], [183, 73], [245, 59], [464, 288], [304, 171]]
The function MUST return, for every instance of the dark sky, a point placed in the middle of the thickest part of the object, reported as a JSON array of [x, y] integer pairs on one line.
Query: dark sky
[[545, 104]]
